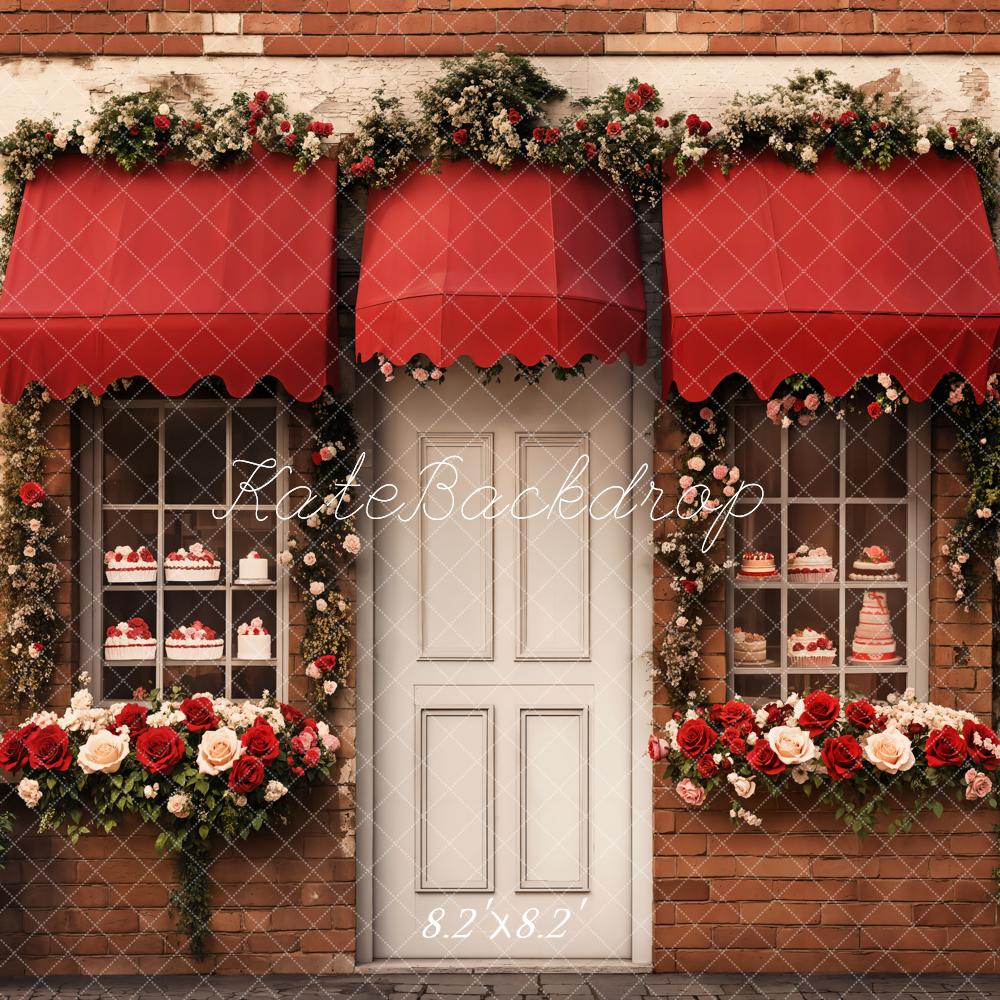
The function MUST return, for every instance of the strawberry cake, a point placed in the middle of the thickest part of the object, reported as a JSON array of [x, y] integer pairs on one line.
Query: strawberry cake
[[809, 648], [873, 639], [127, 565], [808, 565], [192, 565], [253, 568], [253, 641], [757, 566], [193, 642], [874, 564], [129, 640]]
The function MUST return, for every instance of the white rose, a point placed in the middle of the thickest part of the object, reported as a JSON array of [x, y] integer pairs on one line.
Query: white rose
[[743, 787], [309, 558], [273, 791], [81, 699], [329, 687], [163, 109], [923, 145], [179, 805], [317, 587], [149, 791], [890, 751], [218, 750], [791, 744], [34, 524], [285, 558], [352, 544], [103, 752], [321, 604], [30, 792], [313, 672], [696, 464]]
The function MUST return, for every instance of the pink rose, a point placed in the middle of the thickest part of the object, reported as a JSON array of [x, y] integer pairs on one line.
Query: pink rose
[[812, 402], [685, 482], [689, 495], [705, 413], [690, 793], [720, 472], [658, 749], [773, 409], [977, 785]]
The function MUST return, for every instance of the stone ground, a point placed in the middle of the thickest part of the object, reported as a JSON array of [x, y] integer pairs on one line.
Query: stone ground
[[509, 986]]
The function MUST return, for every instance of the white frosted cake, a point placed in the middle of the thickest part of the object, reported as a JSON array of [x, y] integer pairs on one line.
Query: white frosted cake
[[253, 641], [809, 648], [749, 648], [874, 563], [873, 639], [193, 642], [129, 640], [192, 565], [123, 564], [757, 566], [808, 565], [253, 566]]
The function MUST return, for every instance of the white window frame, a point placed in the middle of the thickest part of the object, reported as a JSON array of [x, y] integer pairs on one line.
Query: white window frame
[[92, 582], [916, 582]]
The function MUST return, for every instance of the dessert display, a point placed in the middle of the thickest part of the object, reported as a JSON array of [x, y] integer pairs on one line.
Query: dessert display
[[873, 639], [757, 566], [129, 640], [193, 642], [749, 649], [192, 565], [253, 641], [874, 563], [808, 565], [127, 565], [253, 568], [809, 648]]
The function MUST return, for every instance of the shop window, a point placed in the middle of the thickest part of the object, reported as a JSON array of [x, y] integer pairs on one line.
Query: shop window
[[159, 473], [842, 486]]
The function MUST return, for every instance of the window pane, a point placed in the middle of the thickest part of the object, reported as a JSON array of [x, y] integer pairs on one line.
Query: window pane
[[134, 528], [195, 457], [182, 528], [815, 609], [754, 687], [814, 458], [255, 439], [757, 613], [122, 677], [757, 447], [757, 531], [877, 685], [816, 526], [876, 456], [130, 455], [875, 527], [870, 634], [251, 535], [183, 604]]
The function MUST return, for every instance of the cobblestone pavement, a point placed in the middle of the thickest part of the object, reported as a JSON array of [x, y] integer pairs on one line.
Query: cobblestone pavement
[[509, 986]]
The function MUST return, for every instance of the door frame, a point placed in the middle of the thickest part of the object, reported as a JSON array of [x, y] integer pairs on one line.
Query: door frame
[[645, 397]]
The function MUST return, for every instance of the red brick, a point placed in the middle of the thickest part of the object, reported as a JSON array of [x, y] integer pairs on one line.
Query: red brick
[[271, 24]]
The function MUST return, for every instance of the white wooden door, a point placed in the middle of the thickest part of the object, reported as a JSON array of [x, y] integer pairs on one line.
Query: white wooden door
[[502, 665]]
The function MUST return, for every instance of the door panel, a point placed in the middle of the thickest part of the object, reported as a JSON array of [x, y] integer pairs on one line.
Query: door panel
[[502, 672]]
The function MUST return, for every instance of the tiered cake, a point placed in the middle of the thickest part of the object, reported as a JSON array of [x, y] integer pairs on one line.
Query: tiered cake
[[192, 565], [749, 649], [127, 565], [129, 640], [873, 639], [809, 648], [253, 641], [874, 564], [194, 642], [808, 565]]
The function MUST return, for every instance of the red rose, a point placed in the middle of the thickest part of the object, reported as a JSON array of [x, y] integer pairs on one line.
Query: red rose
[[736, 743], [552, 136], [945, 748], [977, 736], [199, 714], [704, 127], [633, 102], [159, 750], [513, 116], [326, 663], [285, 125], [581, 124], [460, 136], [820, 712], [874, 411], [736, 715], [861, 714], [317, 458], [133, 716], [290, 714], [590, 150], [690, 586], [311, 757], [259, 741], [246, 774], [31, 493], [763, 758], [614, 128], [646, 91], [48, 749], [707, 767], [262, 97], [696, 737], [842, 756], [13, 750], [162, 122]]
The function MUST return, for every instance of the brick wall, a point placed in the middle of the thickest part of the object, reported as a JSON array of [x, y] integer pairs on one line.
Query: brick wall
[[455, 27], [801, 893]]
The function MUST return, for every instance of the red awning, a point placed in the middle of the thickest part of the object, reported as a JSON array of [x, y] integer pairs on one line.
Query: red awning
[[173, 274], [836, 274], [529, 262]]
